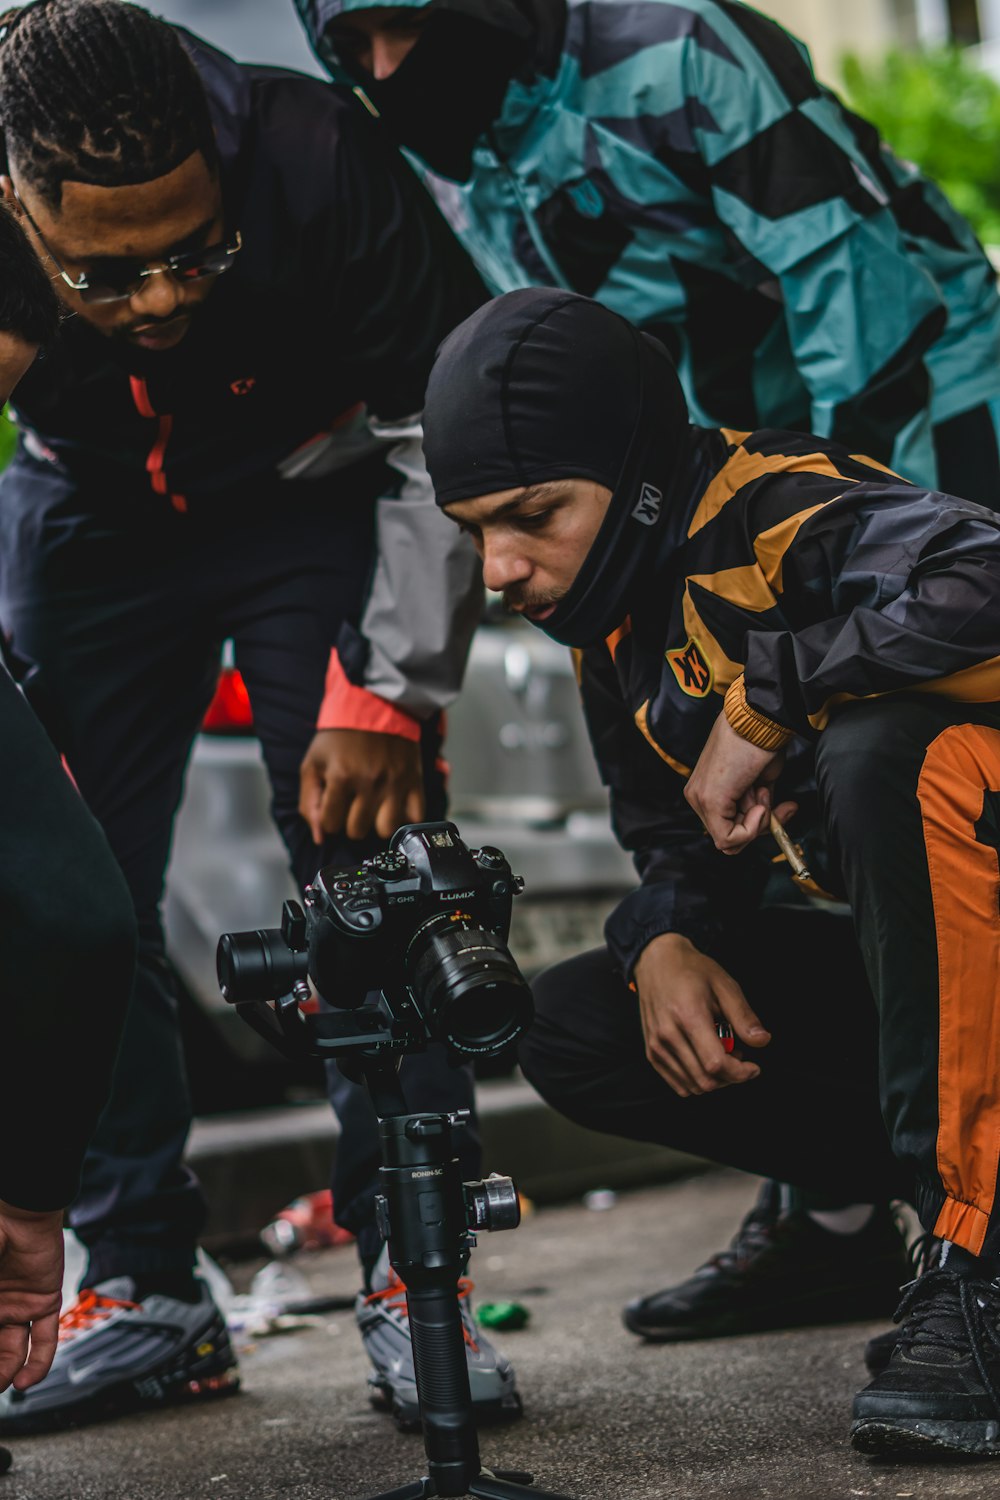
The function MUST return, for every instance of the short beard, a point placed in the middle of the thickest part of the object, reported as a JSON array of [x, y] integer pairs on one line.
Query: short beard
[[514, 601]]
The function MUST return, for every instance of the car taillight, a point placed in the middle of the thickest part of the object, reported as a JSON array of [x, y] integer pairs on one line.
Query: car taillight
[[229, 711]]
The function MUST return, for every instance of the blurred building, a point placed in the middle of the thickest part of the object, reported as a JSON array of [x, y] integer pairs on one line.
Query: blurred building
[[870, 27], [268, 30]]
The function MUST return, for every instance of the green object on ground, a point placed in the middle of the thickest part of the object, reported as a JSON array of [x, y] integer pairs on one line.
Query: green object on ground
[[510, 1315]]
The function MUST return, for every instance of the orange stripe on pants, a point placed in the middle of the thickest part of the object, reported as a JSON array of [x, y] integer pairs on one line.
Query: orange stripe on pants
[[960, 765]]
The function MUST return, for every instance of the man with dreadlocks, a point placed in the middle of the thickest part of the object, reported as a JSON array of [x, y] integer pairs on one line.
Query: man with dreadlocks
[[766, 626], [223, 445], [65, 914]]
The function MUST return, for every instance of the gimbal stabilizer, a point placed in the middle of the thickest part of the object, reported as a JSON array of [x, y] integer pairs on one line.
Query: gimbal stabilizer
[[429, 1218]]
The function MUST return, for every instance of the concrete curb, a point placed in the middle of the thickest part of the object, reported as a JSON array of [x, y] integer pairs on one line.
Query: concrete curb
[[251, 1164]]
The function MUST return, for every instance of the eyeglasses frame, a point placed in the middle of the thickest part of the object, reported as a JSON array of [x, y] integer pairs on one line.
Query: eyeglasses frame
[[80, 283]]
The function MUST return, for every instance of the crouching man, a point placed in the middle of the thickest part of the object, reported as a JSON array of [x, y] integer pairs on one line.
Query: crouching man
[[767, 627]]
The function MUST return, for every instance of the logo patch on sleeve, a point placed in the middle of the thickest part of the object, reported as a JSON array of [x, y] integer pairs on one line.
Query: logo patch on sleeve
[[691, 668]]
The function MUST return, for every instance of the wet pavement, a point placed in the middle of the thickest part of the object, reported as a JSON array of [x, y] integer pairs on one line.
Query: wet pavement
[[605, 1416]]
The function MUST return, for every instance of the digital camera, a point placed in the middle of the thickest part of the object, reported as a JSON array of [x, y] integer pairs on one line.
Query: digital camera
[[425, 923]]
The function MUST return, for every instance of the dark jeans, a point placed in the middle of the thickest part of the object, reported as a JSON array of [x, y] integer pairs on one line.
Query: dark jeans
[[123, 619], [897, 1024]]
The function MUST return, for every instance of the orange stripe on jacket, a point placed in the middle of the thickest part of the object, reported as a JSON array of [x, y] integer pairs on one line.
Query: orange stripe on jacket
[[157, 454], [976, 684], [960, 765], [743, 467], [345, 706]]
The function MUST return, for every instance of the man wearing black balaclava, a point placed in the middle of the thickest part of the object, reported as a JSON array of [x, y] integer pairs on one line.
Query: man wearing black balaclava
[[768, 630], [678, 161]]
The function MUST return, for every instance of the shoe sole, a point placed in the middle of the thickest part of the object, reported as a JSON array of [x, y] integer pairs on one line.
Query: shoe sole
[[148, 1393], [406, 1414], [879, 1438]]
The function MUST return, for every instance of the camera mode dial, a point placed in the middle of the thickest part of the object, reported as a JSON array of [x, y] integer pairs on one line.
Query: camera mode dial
[[389, 865], [489, 858]]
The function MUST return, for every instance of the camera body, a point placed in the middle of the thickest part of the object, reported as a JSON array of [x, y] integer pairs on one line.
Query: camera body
[[425, 922]]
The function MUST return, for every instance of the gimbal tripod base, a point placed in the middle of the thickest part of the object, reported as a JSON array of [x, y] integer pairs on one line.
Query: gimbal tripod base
[[423, 1215], [496, 1485]]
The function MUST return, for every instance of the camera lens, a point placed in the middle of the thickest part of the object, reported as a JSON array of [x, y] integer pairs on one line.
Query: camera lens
[[468, 987], [255, 966]]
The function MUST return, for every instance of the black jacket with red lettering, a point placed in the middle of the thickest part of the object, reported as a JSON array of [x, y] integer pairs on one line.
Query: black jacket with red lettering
[[346, 283], [792, 578]]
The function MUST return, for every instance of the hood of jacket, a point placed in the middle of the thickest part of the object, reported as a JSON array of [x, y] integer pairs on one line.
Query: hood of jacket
[[450, 90]]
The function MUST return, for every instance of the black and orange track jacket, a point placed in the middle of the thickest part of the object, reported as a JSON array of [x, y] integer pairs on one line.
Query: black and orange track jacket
[[796, 578]]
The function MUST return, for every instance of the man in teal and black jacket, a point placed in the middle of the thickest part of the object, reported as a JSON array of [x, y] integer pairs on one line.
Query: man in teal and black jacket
[[682, 165]]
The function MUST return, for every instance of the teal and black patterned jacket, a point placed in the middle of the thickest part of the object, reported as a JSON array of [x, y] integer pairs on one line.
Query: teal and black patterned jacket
[[680, 163]]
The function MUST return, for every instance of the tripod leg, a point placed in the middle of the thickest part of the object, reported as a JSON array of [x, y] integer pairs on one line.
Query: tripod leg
[[492, 1487], [417, 1489]]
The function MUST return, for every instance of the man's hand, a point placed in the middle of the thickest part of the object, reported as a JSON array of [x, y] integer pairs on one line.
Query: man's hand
[[352, 779], [31, 1271], [730, 788], [682, 995]]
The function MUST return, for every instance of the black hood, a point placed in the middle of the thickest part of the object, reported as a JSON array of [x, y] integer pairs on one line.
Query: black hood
[[450, 89], [541, 385]]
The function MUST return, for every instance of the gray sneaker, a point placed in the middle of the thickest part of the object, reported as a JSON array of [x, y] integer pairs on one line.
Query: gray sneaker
[[117, 1356], [385, 1333]]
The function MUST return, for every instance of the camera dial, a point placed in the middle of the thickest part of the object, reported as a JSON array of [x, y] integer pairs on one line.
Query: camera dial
[[389, 865]]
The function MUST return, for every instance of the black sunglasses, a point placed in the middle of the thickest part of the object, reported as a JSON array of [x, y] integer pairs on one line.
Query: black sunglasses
[[120, 277]]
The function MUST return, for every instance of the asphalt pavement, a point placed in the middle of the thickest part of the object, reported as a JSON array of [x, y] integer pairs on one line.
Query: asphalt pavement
[[605, 1416]]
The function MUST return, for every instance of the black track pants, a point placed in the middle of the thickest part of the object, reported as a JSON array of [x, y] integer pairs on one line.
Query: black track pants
[[900, 1023]]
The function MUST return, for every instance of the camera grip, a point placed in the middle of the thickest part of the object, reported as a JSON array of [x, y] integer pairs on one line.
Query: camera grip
[[443, 1384]]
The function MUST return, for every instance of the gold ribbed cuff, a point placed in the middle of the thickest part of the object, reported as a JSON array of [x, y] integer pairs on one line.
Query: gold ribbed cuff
[[751, 725]]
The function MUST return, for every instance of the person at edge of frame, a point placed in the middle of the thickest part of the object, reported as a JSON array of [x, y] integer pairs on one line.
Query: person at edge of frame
[[67, 946], [766, 626], [682, 165], [224, 443]]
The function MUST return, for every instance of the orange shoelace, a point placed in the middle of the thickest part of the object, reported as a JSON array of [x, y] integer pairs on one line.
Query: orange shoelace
[[88, 1309], [394, 1297]]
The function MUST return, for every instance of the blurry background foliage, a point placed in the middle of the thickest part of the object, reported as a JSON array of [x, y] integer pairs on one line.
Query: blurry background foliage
[[8, 438], [936, 109]]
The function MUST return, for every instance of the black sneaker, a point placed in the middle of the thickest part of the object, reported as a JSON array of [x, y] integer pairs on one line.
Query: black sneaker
[[941, 1390], [925, 1255], [781, 1271]]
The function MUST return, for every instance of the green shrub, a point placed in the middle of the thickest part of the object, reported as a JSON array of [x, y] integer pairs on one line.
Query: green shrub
[[937, 110], [8, 439]]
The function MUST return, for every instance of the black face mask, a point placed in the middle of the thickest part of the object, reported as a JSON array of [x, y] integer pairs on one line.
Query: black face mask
[[448, 90], [542, 385]]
